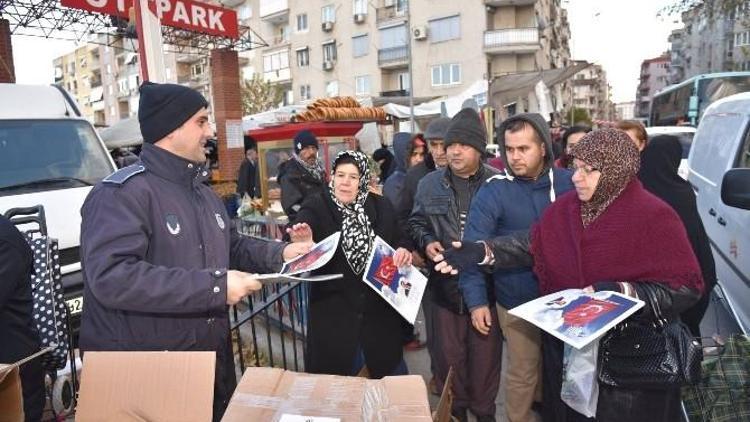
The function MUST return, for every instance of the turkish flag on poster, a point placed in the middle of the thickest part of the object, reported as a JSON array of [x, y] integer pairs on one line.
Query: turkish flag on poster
[[386, 270], [588, 312]]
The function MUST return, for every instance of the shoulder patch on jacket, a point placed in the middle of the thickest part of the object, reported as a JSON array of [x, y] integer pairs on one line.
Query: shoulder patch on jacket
[[501, 176], [122, 175]]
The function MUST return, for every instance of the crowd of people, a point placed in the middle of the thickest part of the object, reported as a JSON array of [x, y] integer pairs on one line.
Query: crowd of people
[[599, 210], [162, 260]]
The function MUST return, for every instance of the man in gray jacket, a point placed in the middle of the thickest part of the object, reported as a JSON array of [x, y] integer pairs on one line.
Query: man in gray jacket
[[157, 247]]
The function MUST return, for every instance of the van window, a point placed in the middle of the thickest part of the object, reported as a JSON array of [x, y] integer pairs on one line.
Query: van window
[[38, 155], [715, 144], [743, 160]]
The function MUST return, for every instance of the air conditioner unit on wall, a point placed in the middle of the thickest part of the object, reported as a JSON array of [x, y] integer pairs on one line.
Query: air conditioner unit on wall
[[359, 18], [328, 65], [327, 26], [420, 32]]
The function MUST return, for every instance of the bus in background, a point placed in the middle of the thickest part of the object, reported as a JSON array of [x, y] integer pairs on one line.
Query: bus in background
[[684, 103]]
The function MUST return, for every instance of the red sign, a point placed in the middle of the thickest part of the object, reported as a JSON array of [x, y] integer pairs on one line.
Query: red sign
[[184, 14], [587, 312]]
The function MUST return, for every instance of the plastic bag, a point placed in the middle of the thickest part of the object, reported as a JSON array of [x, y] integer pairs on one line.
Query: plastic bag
[[580, 386]]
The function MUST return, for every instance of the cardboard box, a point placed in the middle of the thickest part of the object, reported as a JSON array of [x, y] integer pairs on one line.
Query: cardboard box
[[146, 386], [267, 394], [11, 394]]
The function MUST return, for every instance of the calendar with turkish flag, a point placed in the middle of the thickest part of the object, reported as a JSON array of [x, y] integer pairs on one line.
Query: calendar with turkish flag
[[402, 288], [577, 317]]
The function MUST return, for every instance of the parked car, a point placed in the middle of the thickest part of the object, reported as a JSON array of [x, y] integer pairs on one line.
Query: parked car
[[719, 171], [684, 134], [51, 156]]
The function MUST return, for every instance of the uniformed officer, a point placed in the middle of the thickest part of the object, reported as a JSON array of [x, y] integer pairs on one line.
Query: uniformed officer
[[157, 246]]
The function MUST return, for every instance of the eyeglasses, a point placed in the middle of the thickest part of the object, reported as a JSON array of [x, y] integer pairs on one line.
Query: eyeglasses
[[586, 170]]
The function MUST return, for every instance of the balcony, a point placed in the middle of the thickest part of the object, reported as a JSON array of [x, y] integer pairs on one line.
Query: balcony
[[395, 93], [278, 75], [385, 15], [392, 58], [513, 40], [274, 11], [502, 3]]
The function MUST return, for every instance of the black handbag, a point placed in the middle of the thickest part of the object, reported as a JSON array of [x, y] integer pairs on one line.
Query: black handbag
[[650, 354]]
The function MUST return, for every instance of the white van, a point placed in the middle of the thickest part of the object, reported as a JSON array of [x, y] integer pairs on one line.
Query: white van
[[719, 171], [50, 156]]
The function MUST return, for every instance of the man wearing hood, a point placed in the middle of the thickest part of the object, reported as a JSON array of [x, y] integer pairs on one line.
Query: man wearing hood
[[395, 183], [437, 219], [507, 203]]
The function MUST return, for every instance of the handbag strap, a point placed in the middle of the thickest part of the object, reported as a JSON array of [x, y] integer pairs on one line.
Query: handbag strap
[[654, 302]]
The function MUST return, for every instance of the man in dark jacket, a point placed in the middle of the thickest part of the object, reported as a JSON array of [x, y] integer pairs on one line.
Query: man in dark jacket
[[157, 246], [247, 179], [437, 219], [17, 326], [507, 203], [302, 175]]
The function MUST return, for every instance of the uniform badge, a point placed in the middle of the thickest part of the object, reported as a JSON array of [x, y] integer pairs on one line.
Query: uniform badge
[[173, 224], [220, 221]]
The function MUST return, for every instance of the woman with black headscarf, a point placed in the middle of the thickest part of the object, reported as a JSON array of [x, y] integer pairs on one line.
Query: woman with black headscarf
[[659, 163], [349, 321]]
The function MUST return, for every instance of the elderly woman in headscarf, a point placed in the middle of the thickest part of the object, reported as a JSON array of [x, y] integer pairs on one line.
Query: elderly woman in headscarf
[[349, 323], [610, 234], [660, 161]]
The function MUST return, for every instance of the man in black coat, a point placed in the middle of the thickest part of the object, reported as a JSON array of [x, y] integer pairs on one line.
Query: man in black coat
[[247, 179], [157, 248], [302, 176], [17, 326]]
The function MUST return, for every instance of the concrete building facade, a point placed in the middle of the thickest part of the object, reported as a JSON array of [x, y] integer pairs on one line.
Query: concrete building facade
[[591, 92], [654, 77], [362, 48], [103, 77]]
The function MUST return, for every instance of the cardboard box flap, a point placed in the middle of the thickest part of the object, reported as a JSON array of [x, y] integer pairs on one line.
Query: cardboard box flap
[[148, 386], [266, 394], [11, 397]]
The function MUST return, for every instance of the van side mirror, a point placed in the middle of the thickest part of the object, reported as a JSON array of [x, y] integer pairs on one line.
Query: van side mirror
[[735, 188]]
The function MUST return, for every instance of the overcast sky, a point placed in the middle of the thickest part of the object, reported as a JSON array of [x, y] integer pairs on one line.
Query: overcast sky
[[618, 34]]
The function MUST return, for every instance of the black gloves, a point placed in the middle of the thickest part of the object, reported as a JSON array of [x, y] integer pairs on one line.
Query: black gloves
[[464, 257]]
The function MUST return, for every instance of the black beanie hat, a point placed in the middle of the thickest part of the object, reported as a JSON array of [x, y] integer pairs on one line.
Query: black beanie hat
[[466, 128], [163, 108], [304, 138]]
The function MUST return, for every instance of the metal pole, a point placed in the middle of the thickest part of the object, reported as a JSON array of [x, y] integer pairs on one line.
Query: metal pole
[[412, 126], [142, 42]]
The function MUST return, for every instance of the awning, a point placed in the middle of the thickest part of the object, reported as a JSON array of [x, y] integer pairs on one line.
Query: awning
[[96, 94], [509, 87], [125, 133]]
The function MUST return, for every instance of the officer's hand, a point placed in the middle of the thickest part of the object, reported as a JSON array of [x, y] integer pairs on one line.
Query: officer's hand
[[481, 319], [300, 232], [239, 285], [296, 249], [433, 249]]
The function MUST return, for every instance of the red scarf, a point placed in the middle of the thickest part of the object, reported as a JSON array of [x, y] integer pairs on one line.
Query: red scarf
[[637, 238]]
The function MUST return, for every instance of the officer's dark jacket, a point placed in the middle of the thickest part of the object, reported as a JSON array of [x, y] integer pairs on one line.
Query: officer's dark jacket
[[156, 243], [297, 184], [435, 217]]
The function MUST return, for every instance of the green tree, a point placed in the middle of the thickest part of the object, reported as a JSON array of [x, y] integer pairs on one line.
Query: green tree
[[580, 117], [259, 95]]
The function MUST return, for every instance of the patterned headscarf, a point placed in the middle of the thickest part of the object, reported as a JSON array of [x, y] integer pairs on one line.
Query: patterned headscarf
[[357, 235], [614, 154]]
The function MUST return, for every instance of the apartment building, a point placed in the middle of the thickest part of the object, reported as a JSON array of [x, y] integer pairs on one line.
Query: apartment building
[[653, 78], [362, 48], [591, 92], [103, 77]]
